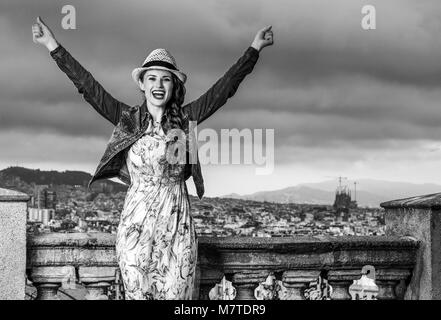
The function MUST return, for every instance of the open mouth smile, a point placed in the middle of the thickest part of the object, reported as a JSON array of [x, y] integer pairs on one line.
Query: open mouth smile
[[158, 94]]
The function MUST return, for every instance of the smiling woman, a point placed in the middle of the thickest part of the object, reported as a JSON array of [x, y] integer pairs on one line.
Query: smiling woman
[[156, 242], [157, 86]]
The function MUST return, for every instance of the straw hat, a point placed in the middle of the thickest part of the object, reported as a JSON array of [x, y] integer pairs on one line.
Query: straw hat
[[159, 59]]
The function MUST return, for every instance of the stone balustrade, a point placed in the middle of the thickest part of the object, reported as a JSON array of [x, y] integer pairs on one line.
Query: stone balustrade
[[296, 262], [406, 263], [56, 259], [89, 259]]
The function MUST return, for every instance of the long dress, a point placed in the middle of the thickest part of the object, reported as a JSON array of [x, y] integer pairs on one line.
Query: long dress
[[156, 242]]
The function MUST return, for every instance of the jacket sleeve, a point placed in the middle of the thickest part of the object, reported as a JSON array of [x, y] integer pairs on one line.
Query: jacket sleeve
[[92, 91], [224, 88]]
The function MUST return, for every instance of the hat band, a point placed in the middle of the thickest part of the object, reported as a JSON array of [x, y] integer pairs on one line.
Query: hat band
[[159, 64]]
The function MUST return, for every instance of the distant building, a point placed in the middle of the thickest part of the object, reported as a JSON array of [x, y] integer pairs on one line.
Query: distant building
[[343, 201], [43, 197], [43, 204], [41, 215], [308, 217]]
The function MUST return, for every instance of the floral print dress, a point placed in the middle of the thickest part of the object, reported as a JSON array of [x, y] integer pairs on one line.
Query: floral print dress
[[156, 243]]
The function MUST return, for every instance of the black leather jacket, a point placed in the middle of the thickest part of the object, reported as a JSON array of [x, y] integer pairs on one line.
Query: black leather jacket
[[131, 122]]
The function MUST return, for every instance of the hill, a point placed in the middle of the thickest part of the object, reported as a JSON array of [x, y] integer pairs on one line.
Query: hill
[[19, 176], [369, 193]]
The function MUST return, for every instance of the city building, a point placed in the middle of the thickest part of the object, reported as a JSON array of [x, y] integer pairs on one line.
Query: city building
[[41, 215], [43, 197]]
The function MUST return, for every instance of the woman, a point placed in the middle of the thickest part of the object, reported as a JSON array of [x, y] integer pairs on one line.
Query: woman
[[156, 242]]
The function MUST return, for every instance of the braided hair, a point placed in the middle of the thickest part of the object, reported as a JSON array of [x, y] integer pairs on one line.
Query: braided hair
[[174, 119]]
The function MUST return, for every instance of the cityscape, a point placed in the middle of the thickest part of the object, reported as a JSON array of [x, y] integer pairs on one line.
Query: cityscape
[[75, 208], [64, 208]]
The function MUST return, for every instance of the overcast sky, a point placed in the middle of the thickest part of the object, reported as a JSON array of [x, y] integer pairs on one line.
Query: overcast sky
[[342, 100]]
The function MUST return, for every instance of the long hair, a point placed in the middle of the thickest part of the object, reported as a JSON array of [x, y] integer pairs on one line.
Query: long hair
[[174, 120], [173, 109]]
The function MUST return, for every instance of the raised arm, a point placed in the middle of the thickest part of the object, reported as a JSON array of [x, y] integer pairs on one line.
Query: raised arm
[[92, 91], [226, 87]]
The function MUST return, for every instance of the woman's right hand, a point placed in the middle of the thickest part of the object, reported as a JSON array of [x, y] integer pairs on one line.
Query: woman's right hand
[[41, 34]]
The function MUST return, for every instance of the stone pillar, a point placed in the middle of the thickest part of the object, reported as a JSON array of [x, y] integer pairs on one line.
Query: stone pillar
[[208, 278], [296, 281], [389, 281], [340, 281], [13, 212], [49, 279], [97, 281], [419, 218], [246, 282]]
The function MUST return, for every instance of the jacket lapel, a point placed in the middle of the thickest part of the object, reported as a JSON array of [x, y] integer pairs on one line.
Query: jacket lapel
[[144, 115]]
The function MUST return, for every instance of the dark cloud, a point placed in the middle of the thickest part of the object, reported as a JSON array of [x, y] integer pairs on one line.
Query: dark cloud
[[74, 119], [325, 86]]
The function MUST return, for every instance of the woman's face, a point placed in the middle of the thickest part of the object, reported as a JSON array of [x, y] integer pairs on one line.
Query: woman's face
[[158, 87]]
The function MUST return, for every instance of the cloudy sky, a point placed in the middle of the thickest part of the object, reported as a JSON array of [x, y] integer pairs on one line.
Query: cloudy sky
[[342, 100]]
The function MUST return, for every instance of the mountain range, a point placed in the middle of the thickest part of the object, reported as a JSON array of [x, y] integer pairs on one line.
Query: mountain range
[[19, 176], [369, 193]]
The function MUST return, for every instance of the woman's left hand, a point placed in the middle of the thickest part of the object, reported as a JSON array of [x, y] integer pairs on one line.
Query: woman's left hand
[[263, 38]]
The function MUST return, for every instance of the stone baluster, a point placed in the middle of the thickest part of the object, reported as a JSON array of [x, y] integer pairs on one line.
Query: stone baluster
[[388, 281], [269, 289], [208, 278], [246, 282], [48, 280], [295, 282], [119, 286], [97, 281], [204, 289], [340, 280], [400, 289]]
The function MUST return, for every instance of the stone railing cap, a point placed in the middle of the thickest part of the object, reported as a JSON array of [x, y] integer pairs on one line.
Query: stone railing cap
[[309, 243], [430, 201], [98, 250], [236, 243], [97, 239], [12, 196]]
